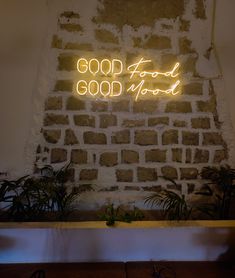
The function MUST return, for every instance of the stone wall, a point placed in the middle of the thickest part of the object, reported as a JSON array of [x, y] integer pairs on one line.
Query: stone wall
[[123, 146]]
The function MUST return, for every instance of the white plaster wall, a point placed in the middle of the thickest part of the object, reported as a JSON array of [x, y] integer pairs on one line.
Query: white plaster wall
[[22, 30]]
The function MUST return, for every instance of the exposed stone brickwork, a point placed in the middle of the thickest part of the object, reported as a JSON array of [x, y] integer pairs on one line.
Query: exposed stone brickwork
[[108, 159], [176, 155], [129, 156], [94, 138], [88, 174], [158, 121], [170, 137], [124, 175], [120, 145], [58, 155], [169, 172], [75, 104], [120, 106], [145, 106], [121, 137], [70, 137], [146, 174], [178, 107], [188, 173], [106, 36], [52, 136], [146, 137], [201, 156], [84, 120], [190, 138], [55, 119], [78, 156], [193, 89], [107, 120], [155, 155], [133, 123], [200, 123], [53, 103]]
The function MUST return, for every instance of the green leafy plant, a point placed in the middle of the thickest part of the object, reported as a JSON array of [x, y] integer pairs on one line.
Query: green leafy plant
[[15, 200], [134, 215], [174, 206], [220, 188], [218, 193], [112, 214], [54, 183], [29, 198]]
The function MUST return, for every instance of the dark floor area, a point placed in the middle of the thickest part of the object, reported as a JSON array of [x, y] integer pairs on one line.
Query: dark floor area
[[122, 270]]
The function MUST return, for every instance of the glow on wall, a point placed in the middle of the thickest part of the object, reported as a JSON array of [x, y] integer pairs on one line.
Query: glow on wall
[[104, 78]]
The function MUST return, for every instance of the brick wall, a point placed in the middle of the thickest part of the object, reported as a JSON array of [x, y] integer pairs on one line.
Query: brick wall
[[123, 146]]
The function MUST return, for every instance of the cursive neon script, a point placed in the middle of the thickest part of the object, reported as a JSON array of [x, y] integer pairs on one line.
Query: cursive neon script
[[173, 73], [143, 91], [139, 88]]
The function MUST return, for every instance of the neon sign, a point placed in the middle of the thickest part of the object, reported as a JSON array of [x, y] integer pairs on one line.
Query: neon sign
[[105, 88], [105, 66], [112, 69]]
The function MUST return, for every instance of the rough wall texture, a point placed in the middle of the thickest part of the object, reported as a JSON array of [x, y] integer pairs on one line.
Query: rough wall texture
[[120, 146]]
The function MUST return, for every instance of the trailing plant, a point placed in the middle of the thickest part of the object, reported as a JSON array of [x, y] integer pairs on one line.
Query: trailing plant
[[220, 188], [29, 198], [112, 214]]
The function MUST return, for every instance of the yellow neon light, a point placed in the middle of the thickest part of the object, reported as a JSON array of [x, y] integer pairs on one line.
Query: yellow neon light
[[102, 66], [134, 70], [102, 90], [114, 67], [82, 87], [84, 65], [143, 91], [90, 85], [153, 74], [90, 66], [114, 88]]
